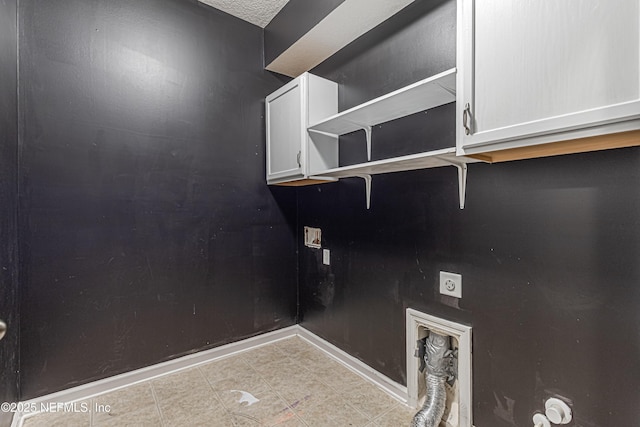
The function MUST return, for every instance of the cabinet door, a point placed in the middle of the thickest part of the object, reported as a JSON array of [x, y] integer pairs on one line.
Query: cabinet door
[[286, 132], [540, 68]]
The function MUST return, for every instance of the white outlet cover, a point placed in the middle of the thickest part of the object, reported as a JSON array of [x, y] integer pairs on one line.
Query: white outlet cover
[[451, 284], [326, 257]]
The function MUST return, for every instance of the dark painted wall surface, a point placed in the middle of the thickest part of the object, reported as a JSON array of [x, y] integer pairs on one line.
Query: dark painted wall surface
[[548, 249], [148, 231], [8, 205], [292, 22]]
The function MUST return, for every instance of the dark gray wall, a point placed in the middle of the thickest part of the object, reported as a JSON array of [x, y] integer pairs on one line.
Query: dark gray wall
[[548, 248], [9, 353], [147, 229], [143, 202], [292, 22]]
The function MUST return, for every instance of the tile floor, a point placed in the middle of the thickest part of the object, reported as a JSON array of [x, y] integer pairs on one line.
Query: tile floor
[[286, 383]]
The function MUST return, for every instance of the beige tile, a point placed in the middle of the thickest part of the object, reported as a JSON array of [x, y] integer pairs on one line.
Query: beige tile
[[294, 346], [262, 355], [229, 367], [302, 386], [333, 411], [186, 396], [313, 358], [296, 386], [368, 399], [337, 376], [233, 398], [136, 400], [269, 409], [183, 382], [231, 389], [301, 404], [308, 403], [293, 421], [279, 369], [204, 417], [59, 419], [238, 379], [399, 415], [245, 421], [281, 377], [187, 406], [148, 416], [282, 364]]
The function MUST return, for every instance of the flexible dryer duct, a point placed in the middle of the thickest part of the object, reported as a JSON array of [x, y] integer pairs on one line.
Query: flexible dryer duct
[[437, 366]]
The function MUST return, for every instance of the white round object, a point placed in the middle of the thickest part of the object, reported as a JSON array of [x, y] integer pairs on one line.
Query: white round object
[[557, 411], [540, 420], [555, 415]]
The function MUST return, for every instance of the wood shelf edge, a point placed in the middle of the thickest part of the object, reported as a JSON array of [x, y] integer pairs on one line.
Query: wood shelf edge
[[581, 145], [304, 182]]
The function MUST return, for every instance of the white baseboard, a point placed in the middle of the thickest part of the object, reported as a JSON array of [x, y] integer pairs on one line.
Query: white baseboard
[[394, 389], [116, 382]]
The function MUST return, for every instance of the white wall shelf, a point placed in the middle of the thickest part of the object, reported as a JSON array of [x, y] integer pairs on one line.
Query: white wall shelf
[[429, 159], [425, 160], [429, 93], [420, 96]]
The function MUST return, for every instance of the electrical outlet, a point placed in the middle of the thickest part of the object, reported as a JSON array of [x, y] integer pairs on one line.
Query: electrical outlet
[[326, 257], [451, 284]]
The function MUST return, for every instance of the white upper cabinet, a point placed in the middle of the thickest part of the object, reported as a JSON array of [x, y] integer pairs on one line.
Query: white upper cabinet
[[291, 154], [537, 71]]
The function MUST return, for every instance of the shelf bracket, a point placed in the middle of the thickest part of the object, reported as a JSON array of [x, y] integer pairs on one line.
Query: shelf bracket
[[367, 187], [367, 132], [462, 179]]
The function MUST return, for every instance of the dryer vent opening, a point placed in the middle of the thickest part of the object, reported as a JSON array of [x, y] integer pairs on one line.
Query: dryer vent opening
[[438, 386], [437, 356]]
